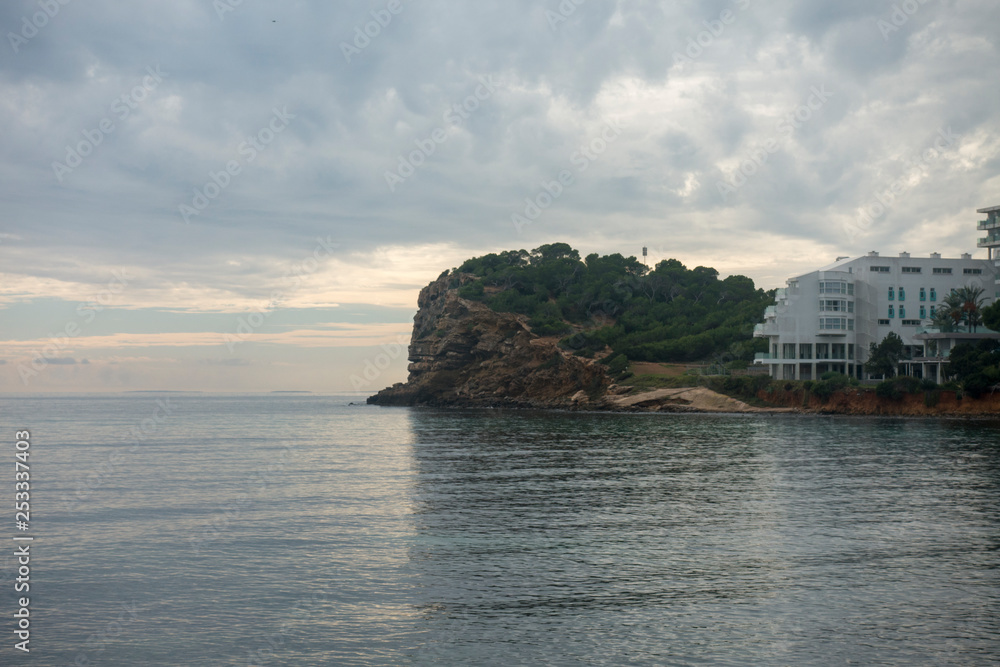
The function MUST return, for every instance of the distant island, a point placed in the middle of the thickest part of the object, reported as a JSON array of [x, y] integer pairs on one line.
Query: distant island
[[547, 329]]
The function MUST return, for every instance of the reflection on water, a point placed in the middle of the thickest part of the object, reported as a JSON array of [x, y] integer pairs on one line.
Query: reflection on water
[[612, 539], [304, 531]]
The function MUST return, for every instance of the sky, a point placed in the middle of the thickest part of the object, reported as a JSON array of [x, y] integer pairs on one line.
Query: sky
[[235, 195]]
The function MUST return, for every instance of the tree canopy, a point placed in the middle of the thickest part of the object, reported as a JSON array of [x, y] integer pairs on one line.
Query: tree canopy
[[668, 313], [964, 304], [976, 365], [883, 357], [991, 316]]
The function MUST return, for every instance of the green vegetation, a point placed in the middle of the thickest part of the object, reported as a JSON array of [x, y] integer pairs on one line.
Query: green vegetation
[[669, 313], [883, 357], [964, 304], [991, 316], [976, 366], [830, 383], [894, 388]]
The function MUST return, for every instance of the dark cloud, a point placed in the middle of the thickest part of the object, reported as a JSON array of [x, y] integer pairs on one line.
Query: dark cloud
[[689, 127], [59, 361]]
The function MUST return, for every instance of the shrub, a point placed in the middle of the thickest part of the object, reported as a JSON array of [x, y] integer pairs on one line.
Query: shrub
[[830, 383], [616, 364], [887, 389], [546, 326], [473, 291], [927, 384], [976, 385]]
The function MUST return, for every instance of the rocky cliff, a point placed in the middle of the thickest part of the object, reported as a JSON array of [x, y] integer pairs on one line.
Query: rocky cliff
[[464, 354]]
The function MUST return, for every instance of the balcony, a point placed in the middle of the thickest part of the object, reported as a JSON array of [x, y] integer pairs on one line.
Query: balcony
[[988, 224], [991, 240], [765, 329], [770, 312], [761, 357]]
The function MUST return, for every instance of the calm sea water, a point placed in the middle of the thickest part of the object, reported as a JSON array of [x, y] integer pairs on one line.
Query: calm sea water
[[300, 530]]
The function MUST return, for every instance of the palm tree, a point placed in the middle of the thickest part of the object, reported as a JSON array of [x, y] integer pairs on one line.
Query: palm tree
[[949, 314], [971, 298]]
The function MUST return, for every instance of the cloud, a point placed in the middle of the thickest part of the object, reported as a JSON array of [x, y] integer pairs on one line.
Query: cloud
[[686, 128], [227, 362]]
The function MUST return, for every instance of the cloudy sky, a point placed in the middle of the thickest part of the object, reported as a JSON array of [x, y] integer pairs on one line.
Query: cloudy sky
[[172, 170]]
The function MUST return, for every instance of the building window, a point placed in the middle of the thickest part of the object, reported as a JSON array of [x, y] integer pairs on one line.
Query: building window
[[822, 350], [788, 351], [884, 323], [933, 294], [933, 311], [805, 351], [923, 312], [892, 311], [942, 272], [880, 269], [836, 287], [902, 310], [850, 351], [836, 305], [839, 351], [911, 323], [892, 294], [836, 324], [911, 269], [923, 294], [902, 294], [972, 272]]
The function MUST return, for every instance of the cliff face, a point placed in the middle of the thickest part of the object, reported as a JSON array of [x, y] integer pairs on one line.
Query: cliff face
[[464, 354]]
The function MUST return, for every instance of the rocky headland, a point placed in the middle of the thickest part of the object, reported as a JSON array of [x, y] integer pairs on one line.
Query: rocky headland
[[463, 354]]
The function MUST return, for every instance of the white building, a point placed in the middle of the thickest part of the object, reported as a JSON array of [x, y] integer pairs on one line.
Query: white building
[[826, 320]]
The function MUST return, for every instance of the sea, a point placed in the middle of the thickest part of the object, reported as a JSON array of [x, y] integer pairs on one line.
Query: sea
[[297, 529]]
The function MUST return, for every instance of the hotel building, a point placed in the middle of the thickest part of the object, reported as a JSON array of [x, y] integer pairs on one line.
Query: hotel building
[[827, 320]]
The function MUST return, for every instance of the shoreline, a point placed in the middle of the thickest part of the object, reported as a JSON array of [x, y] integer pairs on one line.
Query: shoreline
[[702, 400]]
